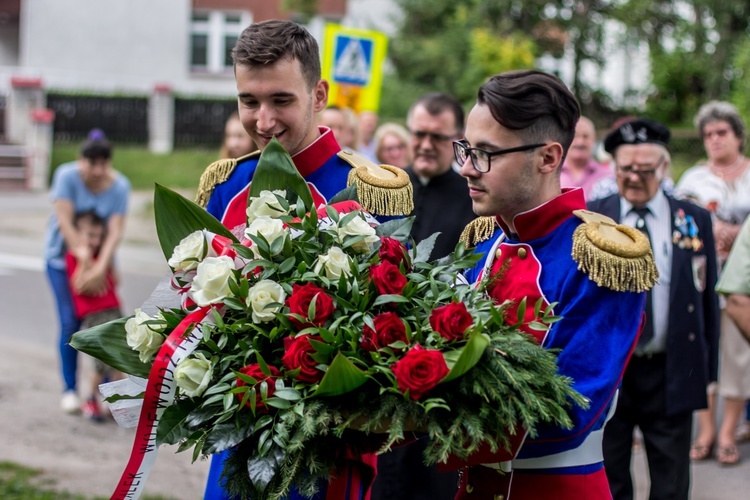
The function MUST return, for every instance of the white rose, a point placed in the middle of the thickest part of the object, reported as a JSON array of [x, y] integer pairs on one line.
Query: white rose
[[270, 229], [211, 282], [333, 264], [266, 204], [142, 337], [192, 375], [358, 227], [260, 295], [189, 252]]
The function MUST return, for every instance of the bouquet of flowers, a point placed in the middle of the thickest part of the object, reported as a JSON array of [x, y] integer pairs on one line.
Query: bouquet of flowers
[[319, 336]]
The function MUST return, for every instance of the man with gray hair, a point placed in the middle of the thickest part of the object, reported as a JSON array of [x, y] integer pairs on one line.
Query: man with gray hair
[[676, 355]]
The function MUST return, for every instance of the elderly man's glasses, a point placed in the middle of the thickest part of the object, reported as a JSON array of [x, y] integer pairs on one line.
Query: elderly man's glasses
[[480, 158], [644, 171]]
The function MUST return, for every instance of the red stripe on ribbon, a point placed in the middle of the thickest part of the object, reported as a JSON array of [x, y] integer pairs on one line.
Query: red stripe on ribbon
[[144, 445]]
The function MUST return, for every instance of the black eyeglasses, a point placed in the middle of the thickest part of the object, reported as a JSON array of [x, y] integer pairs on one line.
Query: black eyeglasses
[[434, 138], [643, 171], [480, 158]]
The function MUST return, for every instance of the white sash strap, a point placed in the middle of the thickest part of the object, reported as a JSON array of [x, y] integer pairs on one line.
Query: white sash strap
[[589, 452]]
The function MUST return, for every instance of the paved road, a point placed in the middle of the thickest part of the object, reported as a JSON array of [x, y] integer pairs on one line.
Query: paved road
[[88, 459]]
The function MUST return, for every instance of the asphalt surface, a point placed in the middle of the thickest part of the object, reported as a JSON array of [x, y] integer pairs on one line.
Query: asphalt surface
[[82, 457]]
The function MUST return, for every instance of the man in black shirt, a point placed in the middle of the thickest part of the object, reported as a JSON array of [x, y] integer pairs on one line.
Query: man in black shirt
[[441, 197]]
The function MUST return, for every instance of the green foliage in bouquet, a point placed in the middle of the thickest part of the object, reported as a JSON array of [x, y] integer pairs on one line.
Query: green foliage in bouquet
[[331, 339]]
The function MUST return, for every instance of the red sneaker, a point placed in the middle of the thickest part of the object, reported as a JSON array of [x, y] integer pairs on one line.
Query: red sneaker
[[91, 411]]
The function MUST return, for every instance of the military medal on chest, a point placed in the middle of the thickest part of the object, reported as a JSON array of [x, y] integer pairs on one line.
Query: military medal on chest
[[685, 234]]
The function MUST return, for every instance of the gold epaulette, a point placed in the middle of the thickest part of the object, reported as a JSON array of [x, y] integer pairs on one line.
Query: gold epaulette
[[381, 189], [477, 231], [614, 256], [216, 173]]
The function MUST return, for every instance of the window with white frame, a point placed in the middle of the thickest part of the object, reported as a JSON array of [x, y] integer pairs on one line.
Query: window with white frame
[[212, 36]]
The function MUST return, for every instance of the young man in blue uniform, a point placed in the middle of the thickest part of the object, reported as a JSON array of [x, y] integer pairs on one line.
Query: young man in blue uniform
[[280, 91], [548, 247]]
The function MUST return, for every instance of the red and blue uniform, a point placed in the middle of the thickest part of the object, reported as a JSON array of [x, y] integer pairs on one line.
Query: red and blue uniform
[[326, 174], [596, 336]]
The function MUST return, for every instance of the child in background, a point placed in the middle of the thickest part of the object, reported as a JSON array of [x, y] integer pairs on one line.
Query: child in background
[[94, 310]]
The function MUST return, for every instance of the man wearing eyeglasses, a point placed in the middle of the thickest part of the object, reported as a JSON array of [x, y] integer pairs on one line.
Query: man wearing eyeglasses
[[676, 355], [441, 198], [517, 136]]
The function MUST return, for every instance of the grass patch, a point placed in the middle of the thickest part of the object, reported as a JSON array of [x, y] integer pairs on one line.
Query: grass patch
[[180, 169], [22, 483]]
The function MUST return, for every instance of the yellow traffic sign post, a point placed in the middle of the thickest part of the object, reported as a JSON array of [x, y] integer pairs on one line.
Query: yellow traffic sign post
[[353, 65]]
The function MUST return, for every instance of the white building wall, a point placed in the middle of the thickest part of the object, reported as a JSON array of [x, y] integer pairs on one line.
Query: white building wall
[[111, 46]]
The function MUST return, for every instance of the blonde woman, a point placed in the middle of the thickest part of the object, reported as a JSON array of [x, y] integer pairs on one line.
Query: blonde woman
[[392, 145]]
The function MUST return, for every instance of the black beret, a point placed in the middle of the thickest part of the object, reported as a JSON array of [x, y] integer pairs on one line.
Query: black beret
[[638, 131]]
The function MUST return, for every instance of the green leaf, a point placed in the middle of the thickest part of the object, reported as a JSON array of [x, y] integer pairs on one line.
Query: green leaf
[[225, 436], [171, 429], [288, 393], [425, 247], [108, 344], [342, 377], [398, 229], [281, 404], [349, 193], [287, 265], [521, 312], [276, 170], [262, 469], [468, 356], [389, 298], [176, 217]]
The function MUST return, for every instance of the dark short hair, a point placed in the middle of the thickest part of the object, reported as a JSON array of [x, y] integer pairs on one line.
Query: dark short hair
[[98, 148], [537, 105], [436, 103], [721, 110], [91, 217], [268, 42]]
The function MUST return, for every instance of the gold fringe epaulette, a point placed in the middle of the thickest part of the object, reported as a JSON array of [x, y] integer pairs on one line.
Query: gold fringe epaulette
[[381, 189], [477, 231], [614, 256], [216, 173]]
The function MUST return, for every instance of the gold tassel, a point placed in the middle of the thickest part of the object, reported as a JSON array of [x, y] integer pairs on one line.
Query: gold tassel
[[617, 265], [216, 173], [477, 231], [383, 196]]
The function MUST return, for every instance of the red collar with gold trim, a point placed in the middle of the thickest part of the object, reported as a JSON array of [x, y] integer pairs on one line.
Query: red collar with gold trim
[[317, 153], [545, 218]]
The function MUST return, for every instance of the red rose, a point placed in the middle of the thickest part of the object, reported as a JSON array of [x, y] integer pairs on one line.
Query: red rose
[[451, 321], [255, 372], [388, 329], [388, 278], [298, 355], [300, 300], [391, 250], [419, 371]]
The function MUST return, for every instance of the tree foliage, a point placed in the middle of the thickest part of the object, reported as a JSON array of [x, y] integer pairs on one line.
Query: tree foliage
[[692, 45], [449, 46], [695, 46]]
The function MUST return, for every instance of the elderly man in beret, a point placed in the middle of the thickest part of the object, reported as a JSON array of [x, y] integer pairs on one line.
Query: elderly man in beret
[[676, 355]]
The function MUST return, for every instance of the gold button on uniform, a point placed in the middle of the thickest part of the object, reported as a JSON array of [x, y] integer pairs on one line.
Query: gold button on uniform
[[498, 253], [521, 253], [499, 497], [469, 488]]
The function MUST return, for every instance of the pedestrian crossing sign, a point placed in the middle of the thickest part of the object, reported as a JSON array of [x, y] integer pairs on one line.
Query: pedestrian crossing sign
[[352, 64]]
